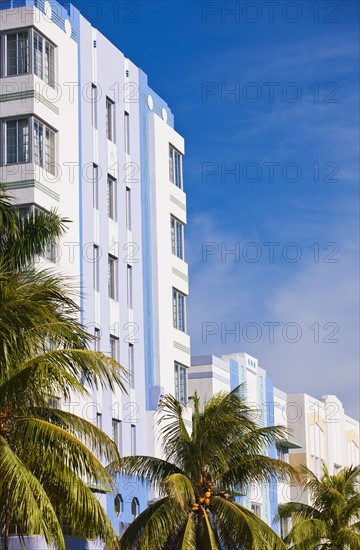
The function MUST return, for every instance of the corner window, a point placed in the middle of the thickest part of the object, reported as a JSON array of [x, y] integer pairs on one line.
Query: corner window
[[180, 383], [17, 53], [177, 237], [43, 55], [17, 141], [175, 167], [178, 300], [44, 147]]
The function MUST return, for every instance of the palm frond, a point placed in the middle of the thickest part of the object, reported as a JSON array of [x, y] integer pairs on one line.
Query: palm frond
[[145, 468]]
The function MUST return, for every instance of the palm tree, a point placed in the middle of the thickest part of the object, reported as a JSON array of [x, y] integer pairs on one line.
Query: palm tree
[[332, 522], [48, 457], [199, 477]]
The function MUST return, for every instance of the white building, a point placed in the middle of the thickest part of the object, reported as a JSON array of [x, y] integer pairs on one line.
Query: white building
[[326, 435], [210, 374], [82, 132]]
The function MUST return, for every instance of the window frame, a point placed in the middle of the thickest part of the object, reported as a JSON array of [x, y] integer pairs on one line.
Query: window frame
[[127, 132], [131, 364], [112, 277], [175, 166], [112, 197], [114, 347], [110, 120], [5, 68], [177, 246], [179, 311], [181, 389]]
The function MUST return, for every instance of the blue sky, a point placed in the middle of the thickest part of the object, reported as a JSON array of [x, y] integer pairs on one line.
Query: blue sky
[[296, 158]]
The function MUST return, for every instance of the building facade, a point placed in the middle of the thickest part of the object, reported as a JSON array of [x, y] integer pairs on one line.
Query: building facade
[[82, 132], [326, 436]]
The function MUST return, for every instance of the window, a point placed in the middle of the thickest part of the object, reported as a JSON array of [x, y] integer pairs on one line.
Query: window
[[97, 339], [94, 98], [118, 505], [43, 54], [284, 527], [135, 507], [112, 277], [44, 146], [128, 208], [95, 184], [127, 132], [38, 55], [133, 440], [96, 259], [282, 453], [178, 310], [256, 509], [180, 383], [110, 119], [17, 53], [117, 432], [131, 366], [177, 238], [17, 141], [99, 420], [175, 170], [111, 198], [129, 287], [114, 347]]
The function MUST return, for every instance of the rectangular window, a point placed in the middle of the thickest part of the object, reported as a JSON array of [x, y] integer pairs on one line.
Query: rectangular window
[[131, 366], [17, 141], [178, 310], [129, 287], [43, 55], [96, 270], [117, 433], [111, 198], [94, 97], [175, 166], [44, 147], [133, 440], [17, 53], [49, 63], [256, 509], [128, 208], [127, 132], [99, 420], [110, 119], [97, 339], [180, 383], [114, 347], [38, 55], [177, 237], [112, 277], [95, 186]]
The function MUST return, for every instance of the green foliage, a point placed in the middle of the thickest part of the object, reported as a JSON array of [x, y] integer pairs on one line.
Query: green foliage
[[48, 457], [223, 453], [332, 522]]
